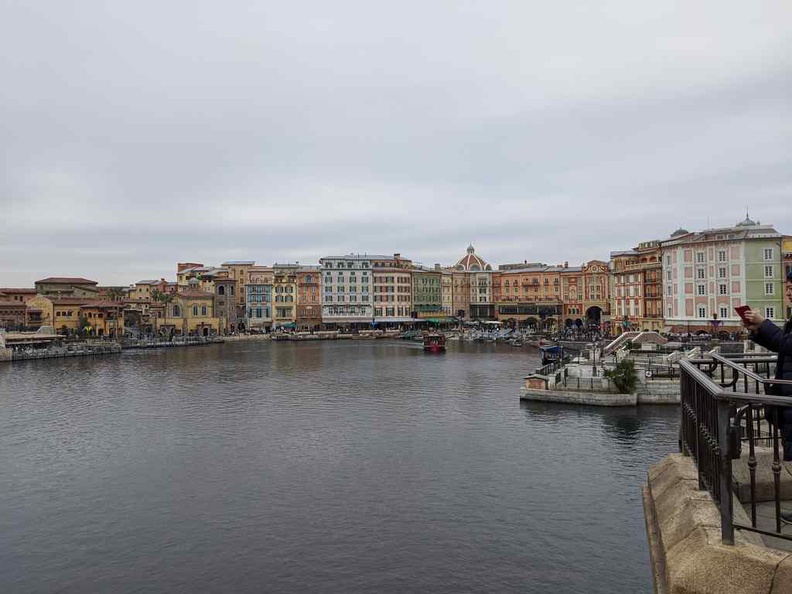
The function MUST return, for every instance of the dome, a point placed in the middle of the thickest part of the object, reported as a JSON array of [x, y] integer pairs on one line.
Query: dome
[[747, 222], [471, 262], [679, 232]]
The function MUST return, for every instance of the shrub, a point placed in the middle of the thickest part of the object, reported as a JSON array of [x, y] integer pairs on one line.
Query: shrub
[[623, 376]]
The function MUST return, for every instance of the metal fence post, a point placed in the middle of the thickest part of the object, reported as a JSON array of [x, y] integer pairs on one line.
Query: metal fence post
[[725, 463]]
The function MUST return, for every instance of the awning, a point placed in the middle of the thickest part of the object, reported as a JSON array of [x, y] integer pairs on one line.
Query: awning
[[438, 320]]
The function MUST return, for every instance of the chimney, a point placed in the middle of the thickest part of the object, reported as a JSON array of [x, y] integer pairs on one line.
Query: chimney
[[437, 266], [397, 256], [566, 264]]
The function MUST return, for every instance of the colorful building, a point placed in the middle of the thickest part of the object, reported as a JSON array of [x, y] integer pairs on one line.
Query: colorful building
[[347, 290], [258, 299], [309, 301], [284, 295], [706, 274], [472, 287], [428, 295], [393, 291]]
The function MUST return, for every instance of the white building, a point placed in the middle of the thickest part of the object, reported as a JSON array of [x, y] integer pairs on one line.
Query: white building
[[347, 289]]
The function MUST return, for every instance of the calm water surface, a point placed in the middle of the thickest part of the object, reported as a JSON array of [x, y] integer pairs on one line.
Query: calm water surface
[[316, 467]]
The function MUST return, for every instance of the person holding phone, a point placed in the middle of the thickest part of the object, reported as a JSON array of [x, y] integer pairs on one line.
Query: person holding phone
[[778, 340]]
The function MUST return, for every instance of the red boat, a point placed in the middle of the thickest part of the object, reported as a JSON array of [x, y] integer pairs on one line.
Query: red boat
[[434, 342]]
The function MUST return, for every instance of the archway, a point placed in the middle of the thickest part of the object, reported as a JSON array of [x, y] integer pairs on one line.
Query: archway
[[206, 331], [594, 315]]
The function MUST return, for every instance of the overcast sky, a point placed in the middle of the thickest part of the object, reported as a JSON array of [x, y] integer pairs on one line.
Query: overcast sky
[[137, 134]]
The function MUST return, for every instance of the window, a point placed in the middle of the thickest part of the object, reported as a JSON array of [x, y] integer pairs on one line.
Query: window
[[700, 257], [203, 310], [702, 311], [176, 311], [769, 289], [721, 255], [722, 272], [221, 290], [668, 275], [724, 312], [722, 289], [195, 310], [768, 253], [770, 312], [701, 289], [700, 273], [768, 270]]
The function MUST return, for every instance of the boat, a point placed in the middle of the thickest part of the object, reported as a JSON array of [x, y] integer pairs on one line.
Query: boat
[[552, 353], [434, 342]]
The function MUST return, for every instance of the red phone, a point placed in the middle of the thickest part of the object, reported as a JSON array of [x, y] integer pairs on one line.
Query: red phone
[[741, 311]]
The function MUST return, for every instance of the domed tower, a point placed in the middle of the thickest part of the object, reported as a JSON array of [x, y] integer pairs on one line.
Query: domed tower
[[470, 262], [473, 287]]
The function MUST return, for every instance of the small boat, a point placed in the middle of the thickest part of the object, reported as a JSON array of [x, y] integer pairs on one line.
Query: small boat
[[434, 342], [552, 353]]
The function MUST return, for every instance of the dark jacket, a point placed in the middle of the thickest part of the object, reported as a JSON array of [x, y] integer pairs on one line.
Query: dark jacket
[[779, 341]]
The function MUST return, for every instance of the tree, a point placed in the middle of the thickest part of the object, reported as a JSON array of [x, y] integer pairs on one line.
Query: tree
[[166, 299], [623, 376]]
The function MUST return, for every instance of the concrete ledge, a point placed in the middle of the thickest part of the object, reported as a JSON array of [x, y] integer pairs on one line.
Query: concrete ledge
[[683, 528], [575, 397], [765, 480]]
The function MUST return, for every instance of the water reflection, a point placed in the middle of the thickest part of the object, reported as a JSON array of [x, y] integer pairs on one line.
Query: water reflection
[[329, 466]]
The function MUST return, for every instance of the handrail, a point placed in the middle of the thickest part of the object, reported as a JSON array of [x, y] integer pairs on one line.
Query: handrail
[[716, 421]]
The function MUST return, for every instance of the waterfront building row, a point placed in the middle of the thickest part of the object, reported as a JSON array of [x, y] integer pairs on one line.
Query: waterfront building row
[[688, 282]]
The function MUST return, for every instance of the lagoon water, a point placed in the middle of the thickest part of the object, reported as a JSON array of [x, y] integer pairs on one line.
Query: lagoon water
[[336, 467]]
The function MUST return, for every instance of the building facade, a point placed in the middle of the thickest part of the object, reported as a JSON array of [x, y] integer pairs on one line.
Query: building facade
[[258, 299], [284, 292], [347, 291], [309, 302], [392, 290], [66, 286], [707, 274]]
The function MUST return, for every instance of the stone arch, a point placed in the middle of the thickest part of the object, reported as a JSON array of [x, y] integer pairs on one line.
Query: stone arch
[[594, 315]]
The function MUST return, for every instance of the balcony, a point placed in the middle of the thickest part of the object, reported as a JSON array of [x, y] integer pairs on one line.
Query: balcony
[[735, 444]]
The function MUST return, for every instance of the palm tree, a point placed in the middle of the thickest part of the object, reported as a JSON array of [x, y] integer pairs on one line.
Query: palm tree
[[166, 299]]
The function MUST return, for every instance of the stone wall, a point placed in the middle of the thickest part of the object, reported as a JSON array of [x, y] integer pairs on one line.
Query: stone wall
[[686, 553], [658, 392], [578, 397]]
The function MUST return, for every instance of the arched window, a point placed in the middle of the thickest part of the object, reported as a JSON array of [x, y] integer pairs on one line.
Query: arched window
[[221, 290], [195, 310], [232, 289], [176, 311], [203, 310]]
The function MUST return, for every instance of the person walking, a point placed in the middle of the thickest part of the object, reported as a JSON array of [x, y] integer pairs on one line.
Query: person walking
[[778, 340]]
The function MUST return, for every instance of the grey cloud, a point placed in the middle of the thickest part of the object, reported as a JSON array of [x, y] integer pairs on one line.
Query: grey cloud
[[137, 135]]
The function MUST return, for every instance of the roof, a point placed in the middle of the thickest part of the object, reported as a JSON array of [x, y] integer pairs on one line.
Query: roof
[[194, 294], [67, 280], [239, 263], [10, 291], [148, 282], [471, 262], [103, 303]]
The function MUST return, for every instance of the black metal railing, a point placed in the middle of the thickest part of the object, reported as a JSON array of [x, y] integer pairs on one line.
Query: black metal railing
[[725, 405]]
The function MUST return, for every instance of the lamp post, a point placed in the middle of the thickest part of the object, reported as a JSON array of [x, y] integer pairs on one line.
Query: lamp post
[[594, 346]]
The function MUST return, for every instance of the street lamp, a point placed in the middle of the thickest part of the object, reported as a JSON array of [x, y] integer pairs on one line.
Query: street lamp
[[594, 346]]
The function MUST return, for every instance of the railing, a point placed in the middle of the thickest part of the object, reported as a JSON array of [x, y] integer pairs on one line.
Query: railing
[[724, 405]]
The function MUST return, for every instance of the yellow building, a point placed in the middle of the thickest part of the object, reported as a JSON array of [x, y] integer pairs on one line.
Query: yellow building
[[191, 313], [284, 290], [79, 315]]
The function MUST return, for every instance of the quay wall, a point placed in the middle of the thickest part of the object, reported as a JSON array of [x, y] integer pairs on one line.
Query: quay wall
[[685, 549], [585, 397]]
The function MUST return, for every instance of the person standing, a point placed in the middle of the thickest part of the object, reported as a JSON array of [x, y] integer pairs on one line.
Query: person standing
[[778, 340]]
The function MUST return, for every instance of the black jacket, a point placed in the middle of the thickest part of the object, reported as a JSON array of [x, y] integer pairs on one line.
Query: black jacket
[[779, 341]]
